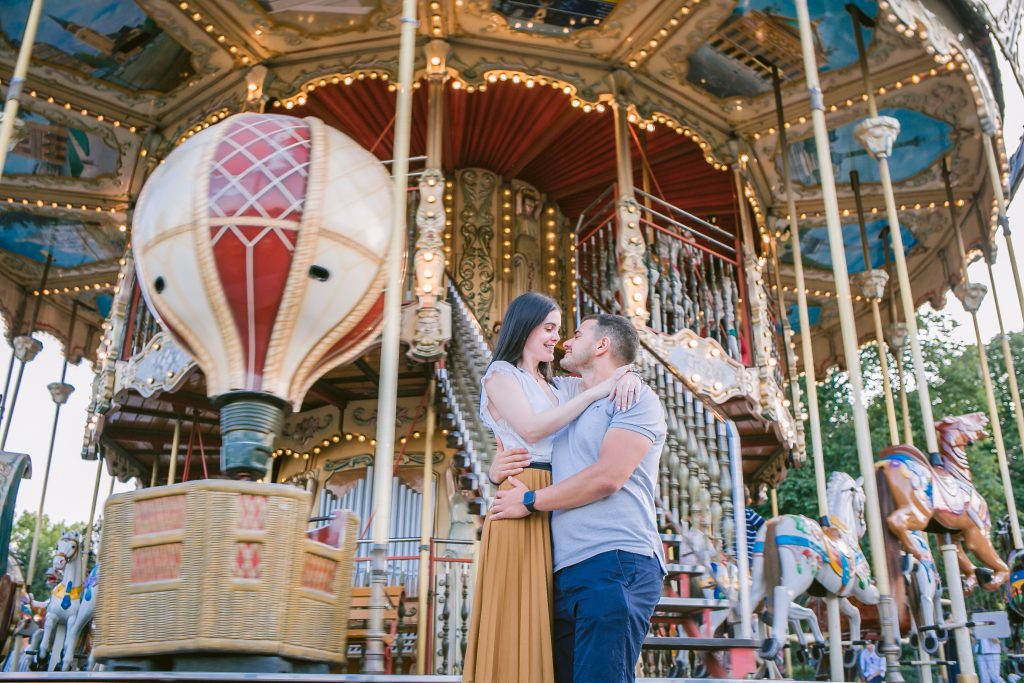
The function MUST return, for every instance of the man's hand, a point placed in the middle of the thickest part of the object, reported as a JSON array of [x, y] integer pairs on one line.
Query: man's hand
[[507, 463], [508, 504]]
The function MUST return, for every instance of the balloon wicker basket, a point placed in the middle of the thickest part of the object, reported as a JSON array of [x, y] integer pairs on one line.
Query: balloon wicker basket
[[217, 571]]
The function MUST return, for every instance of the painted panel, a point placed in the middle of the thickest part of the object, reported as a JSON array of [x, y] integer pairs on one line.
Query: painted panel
[[922, 141], [74, 242], [315, 17], [49, 148], [793, 316], [112, 40], [816, 253], [555, 17]]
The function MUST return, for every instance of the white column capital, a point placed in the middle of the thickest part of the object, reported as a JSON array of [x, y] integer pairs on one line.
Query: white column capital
[[871, 283], [59, 392], [971, 294], [26, 348], [877, 135], [896, 336]]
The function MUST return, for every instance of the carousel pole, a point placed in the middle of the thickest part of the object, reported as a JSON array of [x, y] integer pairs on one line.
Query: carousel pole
[[995, 177], [835, 635], [872, 286], [17, 82], [426, 531], [890, 647], [897, 338], [172, 469], [26, 347], [60, 391], [971, 295], [92, 506], [787, 654], [387, 396], [877, 134]]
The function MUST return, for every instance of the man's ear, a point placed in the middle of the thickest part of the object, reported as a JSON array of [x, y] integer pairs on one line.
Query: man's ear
[[603, 346]]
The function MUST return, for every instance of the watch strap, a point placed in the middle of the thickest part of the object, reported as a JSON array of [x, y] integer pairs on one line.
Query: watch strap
[[528, 498]]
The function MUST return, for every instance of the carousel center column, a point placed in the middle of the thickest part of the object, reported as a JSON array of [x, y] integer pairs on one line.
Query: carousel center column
[[847, 323]]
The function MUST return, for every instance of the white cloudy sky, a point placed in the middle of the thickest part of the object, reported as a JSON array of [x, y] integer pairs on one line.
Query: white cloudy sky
[[71, 478]]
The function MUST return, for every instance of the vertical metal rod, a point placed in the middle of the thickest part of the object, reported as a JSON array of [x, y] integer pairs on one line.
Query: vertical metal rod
[[426, 531], [995, 177], [986, 377], [21, 363], [92, 507], [835, 635], [155, 472], [850, 351], [373, 662], [876, 316], [17, 81], [740, 517], [908, 432], [172, 469], [49, 455]]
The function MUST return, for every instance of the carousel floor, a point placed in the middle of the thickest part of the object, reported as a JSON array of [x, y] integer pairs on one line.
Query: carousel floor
[[276, 678]]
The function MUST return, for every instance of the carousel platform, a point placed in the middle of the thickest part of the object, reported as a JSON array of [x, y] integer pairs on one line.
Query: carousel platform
[[276, 678]]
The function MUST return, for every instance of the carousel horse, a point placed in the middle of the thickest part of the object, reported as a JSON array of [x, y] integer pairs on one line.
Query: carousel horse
[[922, 576], [794, 555], [916, 496], [1014, 592], [65, 601]]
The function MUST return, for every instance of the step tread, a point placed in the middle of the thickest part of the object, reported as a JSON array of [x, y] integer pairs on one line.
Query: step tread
[[682, 605], [688, 643]]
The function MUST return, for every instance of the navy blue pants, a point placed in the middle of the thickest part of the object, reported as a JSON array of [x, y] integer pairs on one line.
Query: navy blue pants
[[603, 609]]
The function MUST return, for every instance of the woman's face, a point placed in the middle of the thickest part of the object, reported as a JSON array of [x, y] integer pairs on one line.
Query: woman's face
[[542, 341]]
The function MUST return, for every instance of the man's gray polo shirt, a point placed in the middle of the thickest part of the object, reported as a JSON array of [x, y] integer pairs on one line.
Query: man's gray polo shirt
[[625, 520]]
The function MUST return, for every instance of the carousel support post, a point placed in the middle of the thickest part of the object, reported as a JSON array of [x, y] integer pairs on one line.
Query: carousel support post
[[26, 348], [897, 338], [387, 397], [60, 391], [92, 506], [835, 635], [426, 531], [847, 322], [958, 611], [155, 472], [172, 469], [995, 177], [787, 333], [877, 134], [872, 285], [787, 656], [971, 296], [17, 82]]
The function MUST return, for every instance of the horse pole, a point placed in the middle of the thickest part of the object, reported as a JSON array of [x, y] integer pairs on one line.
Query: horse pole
[[848, 326], [426, 531]]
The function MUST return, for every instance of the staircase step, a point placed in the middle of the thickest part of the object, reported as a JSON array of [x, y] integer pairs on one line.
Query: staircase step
[[690, 605], [677, 569], [686, 643]]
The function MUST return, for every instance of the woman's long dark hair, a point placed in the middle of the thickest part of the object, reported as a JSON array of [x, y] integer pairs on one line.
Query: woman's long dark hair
[[524, 314]]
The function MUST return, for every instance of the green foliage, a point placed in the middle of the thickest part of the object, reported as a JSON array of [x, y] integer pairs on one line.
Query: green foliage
[[21, 545]]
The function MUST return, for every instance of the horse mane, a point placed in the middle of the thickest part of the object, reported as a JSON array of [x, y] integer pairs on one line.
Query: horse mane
[[839, 485], [948, 430]]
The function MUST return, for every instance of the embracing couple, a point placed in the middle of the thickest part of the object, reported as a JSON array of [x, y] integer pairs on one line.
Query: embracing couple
[[571, 563]]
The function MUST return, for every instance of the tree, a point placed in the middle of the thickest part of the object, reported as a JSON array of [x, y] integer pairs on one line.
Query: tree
[[49, 534]]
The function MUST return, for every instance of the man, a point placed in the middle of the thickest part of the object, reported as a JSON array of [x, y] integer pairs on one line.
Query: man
[[608, 558], [989, 652], [872, 665]]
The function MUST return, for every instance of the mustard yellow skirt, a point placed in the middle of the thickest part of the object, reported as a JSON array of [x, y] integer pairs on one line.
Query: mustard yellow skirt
[[510, 626]]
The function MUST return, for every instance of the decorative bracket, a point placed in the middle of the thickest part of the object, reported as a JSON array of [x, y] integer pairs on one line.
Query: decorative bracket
[[871, 283], [162, 366], [877, 135]]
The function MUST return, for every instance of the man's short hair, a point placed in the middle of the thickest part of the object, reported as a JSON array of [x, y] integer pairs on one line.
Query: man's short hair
[[625, 341]]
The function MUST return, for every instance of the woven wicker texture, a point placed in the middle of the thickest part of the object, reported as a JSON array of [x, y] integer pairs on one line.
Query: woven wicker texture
[[221, 566]]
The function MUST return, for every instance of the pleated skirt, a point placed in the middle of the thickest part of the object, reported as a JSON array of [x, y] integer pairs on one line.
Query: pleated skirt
[[510, 625]]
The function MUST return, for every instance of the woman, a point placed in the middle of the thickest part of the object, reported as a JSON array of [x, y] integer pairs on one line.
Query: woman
[[510, 626]]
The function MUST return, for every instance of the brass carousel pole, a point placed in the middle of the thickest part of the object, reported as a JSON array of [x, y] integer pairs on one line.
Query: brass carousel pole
[[877, 134], [890, 645], [835, 635], [26, 347], [971, 295], [60, 391], [92, 506], [172, 469], [896, 337], [17, 82], [872, 286], [426, 531], [373, 662]]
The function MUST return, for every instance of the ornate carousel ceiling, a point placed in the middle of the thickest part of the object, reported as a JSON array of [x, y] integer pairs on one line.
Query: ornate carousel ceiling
[[114, 85]]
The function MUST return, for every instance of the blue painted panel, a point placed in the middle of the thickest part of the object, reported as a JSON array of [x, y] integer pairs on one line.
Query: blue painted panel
[[922, 141], [74, 243], [793, 316], [816, 252]]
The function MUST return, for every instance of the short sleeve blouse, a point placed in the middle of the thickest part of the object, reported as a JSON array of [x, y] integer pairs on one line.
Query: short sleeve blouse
[[540, 451]]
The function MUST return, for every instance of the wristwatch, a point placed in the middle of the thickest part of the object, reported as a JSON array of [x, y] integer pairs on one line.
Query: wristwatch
[[528, 499]]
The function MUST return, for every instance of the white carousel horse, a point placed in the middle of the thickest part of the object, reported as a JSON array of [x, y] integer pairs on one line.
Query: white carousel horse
[[793, 553], [62, 610], [922, 577]]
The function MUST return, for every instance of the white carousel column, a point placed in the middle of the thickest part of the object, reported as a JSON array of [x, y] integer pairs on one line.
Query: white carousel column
[[92, 507], [995, 178], [426, 532], [17, 82], [172, 469], [896, 337], [630, 244], [387, 399], [862, 431]]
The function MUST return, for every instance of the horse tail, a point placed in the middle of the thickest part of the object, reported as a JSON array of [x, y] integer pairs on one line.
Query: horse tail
[[772, 569], [893, 547]]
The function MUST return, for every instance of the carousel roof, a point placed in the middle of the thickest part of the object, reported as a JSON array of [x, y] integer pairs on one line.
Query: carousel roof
[[115, 85]]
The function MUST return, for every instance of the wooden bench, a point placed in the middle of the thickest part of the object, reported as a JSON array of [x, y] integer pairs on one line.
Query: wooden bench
[[359, 623]]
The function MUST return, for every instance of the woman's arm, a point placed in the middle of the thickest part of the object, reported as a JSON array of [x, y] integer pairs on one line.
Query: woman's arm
[[508, 401]]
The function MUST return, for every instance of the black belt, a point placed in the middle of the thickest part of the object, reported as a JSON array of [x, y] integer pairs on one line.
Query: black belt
[[539, 466]]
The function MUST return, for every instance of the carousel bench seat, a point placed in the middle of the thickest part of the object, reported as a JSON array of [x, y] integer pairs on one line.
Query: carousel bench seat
[[359, 621]]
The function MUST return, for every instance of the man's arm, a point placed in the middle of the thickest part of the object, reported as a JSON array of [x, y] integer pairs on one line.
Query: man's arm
[[621, 453]]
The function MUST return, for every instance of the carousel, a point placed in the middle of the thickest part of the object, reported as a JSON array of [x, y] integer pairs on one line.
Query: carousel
[[284, 233]]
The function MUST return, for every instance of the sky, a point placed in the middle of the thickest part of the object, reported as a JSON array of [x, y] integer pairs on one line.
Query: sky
[[72, 479]]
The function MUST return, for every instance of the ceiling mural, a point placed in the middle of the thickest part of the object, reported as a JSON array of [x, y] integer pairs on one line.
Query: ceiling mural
[[736, 61], [112, 40], [315, 17], [816, 253], [554, 17], [73, 242], [922, 141], [793, 316], [50, 148]]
